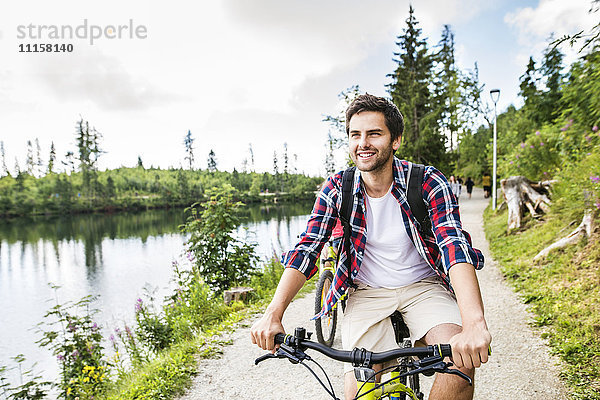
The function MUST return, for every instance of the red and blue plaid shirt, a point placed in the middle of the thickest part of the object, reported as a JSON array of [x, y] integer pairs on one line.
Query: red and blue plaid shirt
[[447, 245]]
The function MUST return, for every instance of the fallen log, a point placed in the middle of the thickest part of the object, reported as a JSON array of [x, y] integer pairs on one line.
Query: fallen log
[[520, 193], [585, 228]]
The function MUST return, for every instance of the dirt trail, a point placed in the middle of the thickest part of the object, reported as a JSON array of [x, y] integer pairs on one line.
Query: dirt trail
[[520, 366]]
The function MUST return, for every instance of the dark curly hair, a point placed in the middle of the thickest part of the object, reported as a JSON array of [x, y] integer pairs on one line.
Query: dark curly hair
[[367, 102]]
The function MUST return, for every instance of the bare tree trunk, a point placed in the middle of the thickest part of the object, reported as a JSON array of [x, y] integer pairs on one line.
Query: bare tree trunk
[[520, 193], [584, 229]]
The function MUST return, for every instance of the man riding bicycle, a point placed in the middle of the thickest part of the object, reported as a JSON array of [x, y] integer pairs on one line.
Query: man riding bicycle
[[428, 276]]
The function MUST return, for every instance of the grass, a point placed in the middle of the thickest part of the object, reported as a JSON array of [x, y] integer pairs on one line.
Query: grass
[[170, 373], [563, 292]]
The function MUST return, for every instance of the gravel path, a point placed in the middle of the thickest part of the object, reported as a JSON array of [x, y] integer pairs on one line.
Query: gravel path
[[520, 366]]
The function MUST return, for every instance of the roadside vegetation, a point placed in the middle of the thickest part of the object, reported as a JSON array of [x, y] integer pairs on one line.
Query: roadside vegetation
[[555, 136]]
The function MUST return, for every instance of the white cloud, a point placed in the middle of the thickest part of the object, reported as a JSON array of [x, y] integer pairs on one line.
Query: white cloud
[[551, 18]]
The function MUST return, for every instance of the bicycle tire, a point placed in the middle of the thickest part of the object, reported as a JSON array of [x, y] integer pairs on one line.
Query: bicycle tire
[[325, 327]]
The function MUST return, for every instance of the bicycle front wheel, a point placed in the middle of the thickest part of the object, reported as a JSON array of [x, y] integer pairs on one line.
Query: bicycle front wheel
[[326, 325]]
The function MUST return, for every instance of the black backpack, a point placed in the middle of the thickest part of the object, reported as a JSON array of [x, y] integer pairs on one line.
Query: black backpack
[[415, 200]]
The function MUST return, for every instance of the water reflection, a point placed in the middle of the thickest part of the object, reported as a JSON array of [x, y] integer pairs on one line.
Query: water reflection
[[113, 256]]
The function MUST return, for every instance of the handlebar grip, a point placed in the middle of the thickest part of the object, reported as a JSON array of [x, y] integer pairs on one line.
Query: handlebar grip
[[446, 350], [280, 338]]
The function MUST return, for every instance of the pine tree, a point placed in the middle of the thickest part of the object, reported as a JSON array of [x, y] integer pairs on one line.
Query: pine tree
[[38, 158], [140, 163], [528, 86], [275, 164], [285, 159], [88, 144], [51, 158], [448, 93], [410, 91], [189, 149], [212, 161], [5, 171], [29, 161], [553, 79], [329, 158], [251, 157]]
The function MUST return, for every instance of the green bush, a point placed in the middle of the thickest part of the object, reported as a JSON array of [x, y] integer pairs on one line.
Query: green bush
[[222, 259]]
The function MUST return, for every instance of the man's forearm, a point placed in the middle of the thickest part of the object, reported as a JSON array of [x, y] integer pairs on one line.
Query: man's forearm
[[468, 296], [289, 285]]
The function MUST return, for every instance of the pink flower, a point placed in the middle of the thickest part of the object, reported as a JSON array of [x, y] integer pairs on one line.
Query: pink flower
[[595, 128], [537, 133], [522, 145], [597, 206], [531, 147], [511, 163], [595, 178], [588, 138], [541, 143]]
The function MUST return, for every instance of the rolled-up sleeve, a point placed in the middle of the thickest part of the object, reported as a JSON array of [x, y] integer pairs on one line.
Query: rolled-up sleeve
[[454, 243], [320, 226]]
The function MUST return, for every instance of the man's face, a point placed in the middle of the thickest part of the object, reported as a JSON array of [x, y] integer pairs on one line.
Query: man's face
[[370, 141]]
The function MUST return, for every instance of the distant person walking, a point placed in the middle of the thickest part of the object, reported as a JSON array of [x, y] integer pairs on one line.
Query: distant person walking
[[486, 181], [469, 184], [455, 187]]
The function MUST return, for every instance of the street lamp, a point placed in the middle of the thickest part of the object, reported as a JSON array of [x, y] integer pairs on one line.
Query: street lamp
[[495, 95]]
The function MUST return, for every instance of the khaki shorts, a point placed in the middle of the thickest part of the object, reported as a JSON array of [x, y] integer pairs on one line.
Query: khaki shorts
[[424, 305]]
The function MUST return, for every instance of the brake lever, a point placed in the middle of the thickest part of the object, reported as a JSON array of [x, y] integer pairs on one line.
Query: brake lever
[[264, 357], [441, 367], [284, 351]]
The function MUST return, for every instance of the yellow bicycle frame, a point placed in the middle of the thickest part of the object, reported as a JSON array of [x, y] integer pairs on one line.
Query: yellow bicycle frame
[[391, 389]]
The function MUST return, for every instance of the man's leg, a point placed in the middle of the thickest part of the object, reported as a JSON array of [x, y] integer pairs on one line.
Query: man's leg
[[445, 386], [350, 386]]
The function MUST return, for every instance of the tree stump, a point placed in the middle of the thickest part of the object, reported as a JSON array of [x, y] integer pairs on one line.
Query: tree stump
[[520, 193], [236, 294]]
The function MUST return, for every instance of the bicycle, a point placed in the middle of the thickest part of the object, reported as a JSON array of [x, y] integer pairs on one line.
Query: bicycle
[[412, 361]]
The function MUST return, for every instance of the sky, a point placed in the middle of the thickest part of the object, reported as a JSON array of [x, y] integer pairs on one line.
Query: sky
[[237, 73]]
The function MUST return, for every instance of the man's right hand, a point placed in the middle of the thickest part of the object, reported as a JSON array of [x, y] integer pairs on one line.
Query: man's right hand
[[264, 330]]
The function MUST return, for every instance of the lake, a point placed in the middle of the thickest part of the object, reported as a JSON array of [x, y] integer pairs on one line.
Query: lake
[[114, 256]]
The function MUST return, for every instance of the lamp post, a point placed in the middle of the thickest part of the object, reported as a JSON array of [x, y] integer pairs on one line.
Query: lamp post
[[495, 95]]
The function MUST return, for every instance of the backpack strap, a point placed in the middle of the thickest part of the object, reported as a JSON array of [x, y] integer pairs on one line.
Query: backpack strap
[[345, 213], [415, 197]]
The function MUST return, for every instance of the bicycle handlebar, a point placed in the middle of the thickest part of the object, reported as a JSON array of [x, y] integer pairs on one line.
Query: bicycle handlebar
[[360, 357]]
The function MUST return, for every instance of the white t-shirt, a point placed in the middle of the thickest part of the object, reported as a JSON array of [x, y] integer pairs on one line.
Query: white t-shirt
[[390, 260]]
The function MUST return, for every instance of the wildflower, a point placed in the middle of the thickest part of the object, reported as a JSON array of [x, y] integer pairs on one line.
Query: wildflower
[[129, 333], [563, 129], [588, 138], [75, 354], [138, 306], [95, 327], [541, 143], [522, 145], [112, 339], [595, 178], [71, 327], [517, 156], [511, 163], [595, 128], [597, 205], [537, 133], [60, 357], [532, 146]]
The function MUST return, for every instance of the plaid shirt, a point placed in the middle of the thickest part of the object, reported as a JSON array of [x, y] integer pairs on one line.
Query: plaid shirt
[[447, 245]]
